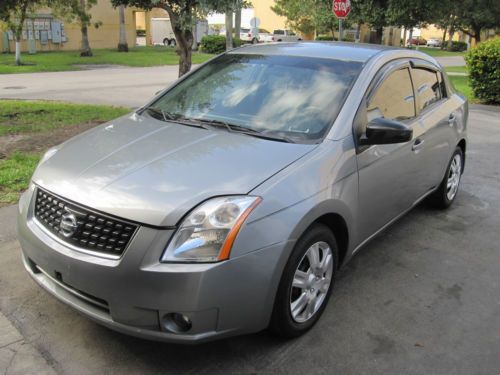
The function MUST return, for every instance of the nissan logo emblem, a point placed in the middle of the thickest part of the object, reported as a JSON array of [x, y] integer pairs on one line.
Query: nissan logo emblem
[[68, 225]]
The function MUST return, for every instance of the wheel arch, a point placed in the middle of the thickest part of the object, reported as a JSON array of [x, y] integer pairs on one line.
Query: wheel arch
[[463, 146]]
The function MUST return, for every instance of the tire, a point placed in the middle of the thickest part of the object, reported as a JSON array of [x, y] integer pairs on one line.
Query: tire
[[166, 42], [255, 41], [308, 309], [445, 195], [172, 43]]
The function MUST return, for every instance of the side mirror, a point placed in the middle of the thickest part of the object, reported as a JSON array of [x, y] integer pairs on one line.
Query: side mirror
[[382, 131]]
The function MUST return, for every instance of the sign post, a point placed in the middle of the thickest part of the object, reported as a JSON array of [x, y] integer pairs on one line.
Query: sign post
[[341, 8]]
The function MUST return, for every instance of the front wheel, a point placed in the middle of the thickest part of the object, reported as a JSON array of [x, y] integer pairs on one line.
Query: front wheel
[[447, 191], [306, 283]]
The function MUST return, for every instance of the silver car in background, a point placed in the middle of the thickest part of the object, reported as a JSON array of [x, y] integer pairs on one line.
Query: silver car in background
[[228, 204]]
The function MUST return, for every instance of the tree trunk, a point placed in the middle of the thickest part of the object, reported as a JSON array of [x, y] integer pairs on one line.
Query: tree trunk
[[18, 50], [86, 51], [122, 44], [477, 34], [443, 41], [229, 30], [237, 23], [391, 36], [379, 32], [358, 32], [451, 32], [410, 37], [404, 36]]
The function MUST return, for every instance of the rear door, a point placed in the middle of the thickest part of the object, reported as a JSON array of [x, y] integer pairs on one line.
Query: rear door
[[388, 174], [437, 115]]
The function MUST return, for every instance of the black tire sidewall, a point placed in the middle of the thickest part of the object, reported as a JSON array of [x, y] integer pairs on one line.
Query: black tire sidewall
[[443, 189], [282, 322]]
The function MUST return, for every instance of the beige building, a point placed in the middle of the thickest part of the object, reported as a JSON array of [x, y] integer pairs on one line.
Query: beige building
[[50, 33]]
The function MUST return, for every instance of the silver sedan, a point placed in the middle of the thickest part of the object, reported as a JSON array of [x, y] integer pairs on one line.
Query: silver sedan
[[228, 204]]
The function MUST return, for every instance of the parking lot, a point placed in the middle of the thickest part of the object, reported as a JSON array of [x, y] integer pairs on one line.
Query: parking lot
[[423, 297]]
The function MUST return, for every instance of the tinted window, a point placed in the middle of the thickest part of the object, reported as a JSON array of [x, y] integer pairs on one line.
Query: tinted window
[[298, 97], [279, 32], [427, 87], [244, 30], [393, 99]]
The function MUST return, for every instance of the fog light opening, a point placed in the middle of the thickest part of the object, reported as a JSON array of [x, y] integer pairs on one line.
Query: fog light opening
[[176, 322]]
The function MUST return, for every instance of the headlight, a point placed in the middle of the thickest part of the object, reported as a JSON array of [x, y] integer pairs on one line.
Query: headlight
[[208, 232]]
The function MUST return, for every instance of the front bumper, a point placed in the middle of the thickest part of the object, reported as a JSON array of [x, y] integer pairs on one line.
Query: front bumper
[[133, 294]]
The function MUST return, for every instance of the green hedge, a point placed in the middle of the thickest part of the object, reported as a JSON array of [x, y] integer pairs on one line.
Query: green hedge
[[325, 37], [458, 46], [483, 63], [216, 44]]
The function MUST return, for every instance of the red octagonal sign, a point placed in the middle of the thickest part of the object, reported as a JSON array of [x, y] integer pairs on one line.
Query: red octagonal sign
[[341, 8]]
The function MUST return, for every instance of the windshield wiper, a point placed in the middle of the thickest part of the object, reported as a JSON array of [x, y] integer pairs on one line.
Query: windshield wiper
[[243, 130], [170, 117]]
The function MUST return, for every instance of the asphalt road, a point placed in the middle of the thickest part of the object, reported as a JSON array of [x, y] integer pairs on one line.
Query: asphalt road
[[422, 298], [115, 85]]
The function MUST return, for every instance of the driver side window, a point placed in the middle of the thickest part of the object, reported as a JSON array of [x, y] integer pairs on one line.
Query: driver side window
[[394, 98]]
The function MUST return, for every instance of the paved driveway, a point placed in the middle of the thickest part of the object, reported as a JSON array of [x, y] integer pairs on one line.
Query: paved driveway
[[422, 298]]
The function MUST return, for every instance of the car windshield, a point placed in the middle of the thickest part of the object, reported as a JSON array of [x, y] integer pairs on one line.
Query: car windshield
[[291, 97]]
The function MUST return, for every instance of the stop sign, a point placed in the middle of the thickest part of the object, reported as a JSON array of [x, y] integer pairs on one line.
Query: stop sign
[[341, 8]]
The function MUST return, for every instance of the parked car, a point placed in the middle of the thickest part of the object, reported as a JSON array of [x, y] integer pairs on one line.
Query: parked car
[[434, 43], [246, 35], [281, 35], [265, 36], [416, 42], [228, 203]]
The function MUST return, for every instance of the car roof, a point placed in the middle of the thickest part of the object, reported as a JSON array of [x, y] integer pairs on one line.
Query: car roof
[[317, 49]]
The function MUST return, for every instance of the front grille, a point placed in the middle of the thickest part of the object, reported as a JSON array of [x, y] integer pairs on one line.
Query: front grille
[[83, 228]]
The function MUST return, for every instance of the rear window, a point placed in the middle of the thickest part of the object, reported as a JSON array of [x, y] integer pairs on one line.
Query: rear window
[[296, 97], [279, 32]]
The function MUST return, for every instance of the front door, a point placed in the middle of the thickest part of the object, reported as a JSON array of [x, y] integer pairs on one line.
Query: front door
[[388, 174]]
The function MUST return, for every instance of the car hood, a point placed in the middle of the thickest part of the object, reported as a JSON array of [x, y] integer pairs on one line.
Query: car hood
[[153, 172]]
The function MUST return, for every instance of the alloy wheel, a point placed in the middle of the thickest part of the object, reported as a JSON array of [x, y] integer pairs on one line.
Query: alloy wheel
[[311, 282]]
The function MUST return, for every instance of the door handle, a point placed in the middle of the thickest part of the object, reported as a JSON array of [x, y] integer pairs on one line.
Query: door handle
[[418, 145], [451, 119]]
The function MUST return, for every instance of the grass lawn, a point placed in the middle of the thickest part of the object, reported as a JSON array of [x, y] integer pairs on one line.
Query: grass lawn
[[457, 69], [436, 52], [66, 60], [461, 83], [28, 128], [25, 116]]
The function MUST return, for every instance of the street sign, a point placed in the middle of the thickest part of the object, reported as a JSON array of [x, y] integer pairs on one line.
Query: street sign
[[341, 8], [255, 22]]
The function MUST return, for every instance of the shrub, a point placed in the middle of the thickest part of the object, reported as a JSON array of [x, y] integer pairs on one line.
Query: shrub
[[458, 46], [483, 63], [213, 44], [325, 37], [216, 44]]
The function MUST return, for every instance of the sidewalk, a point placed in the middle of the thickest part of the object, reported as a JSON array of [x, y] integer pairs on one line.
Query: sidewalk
[[18, 356]]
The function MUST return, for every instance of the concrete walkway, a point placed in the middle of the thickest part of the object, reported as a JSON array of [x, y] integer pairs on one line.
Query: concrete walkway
[[451, 60]]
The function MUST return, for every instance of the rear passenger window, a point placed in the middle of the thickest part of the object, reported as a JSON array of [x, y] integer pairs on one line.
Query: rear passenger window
[[394, 98], [427, 87]]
